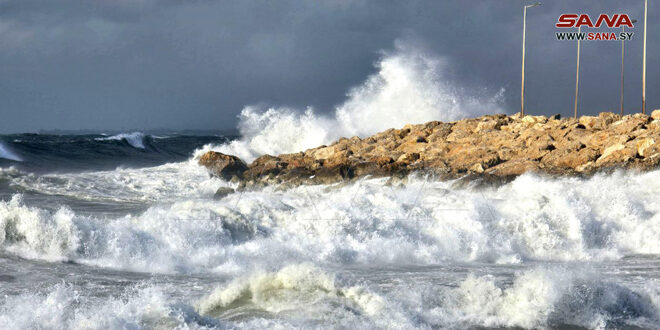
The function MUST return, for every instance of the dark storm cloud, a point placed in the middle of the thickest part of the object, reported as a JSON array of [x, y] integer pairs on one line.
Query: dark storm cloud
[[104, 64]]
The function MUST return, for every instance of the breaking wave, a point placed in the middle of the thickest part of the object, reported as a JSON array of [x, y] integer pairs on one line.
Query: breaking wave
[[544, 298], [537, 298], [139, 307], [605, 217], [168, 182], [8, 154], [291, 290], [409, 87], [135, 139], [306, 296]]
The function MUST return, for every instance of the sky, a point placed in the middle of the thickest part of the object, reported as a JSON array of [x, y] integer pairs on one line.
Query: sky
[[148, 64]]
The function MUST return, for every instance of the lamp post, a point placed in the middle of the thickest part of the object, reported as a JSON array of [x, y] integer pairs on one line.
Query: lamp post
[[577, 73], [522, 82], [646, 2], [623, 47]]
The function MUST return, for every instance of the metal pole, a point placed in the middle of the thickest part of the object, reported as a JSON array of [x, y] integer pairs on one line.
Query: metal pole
[[522, 82], [577, 73], [623, 45], [522, 79], [646, 2]]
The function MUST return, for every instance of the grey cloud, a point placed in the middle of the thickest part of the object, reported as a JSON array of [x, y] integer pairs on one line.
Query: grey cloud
[[194, 64]]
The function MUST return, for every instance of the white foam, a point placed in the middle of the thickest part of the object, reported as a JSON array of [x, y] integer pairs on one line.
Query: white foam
[[305, 292], [537, 298], [305, 296], [6, 153], [168, 182], [543, 298], [409, 87], [605, 217], [64, 307], [135, 139], [34, 233]]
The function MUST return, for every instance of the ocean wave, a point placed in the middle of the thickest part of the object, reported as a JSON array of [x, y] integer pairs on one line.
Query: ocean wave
[[292, 290], [606, 217], [536, 298], [409, 87], [547, 298], [64, 307], [6, 153], [168, 182], [45, 153], [135, 139], [301, 295]]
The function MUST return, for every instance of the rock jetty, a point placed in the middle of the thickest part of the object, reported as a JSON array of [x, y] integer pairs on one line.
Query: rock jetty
[[498, 147]]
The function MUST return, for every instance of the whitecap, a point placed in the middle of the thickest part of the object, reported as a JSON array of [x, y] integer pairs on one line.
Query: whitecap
[[6, 153], [135, 139]]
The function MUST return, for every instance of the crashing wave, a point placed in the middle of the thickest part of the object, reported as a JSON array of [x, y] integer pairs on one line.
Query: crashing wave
[[409, 87], [8, 154], [135, 139], [291, 289], [536, 298], [423, 222], [168, 182], [547, 298], [60, 307]]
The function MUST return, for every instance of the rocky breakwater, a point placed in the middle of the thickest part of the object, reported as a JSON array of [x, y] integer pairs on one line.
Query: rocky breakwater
[[496, 147]]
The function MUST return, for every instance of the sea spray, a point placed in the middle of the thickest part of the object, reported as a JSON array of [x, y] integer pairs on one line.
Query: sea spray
[[408, 87]]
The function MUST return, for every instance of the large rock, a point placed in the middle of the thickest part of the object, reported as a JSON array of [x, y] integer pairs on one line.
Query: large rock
[[655, 114], [224, 166], [222, 192]]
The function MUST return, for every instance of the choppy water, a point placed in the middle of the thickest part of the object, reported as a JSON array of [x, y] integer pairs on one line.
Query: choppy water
[[148, 247]]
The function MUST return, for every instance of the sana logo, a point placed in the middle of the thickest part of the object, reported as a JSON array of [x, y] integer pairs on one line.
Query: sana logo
[[576, 21]]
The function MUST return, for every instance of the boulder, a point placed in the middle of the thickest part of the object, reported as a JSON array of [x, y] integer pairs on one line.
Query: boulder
[[223, 166], [643, 144], [222, 192]]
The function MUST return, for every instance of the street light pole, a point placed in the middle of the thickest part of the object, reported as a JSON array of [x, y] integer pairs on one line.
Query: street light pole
[[646, 2], [623, 47], [577, 73], [522, 82]]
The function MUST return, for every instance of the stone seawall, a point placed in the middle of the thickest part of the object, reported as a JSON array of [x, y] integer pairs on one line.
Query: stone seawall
[[492, 146]]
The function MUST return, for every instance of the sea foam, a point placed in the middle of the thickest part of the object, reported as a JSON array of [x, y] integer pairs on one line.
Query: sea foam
[[605, 217]]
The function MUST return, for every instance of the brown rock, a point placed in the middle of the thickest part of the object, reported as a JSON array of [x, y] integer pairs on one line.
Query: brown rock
[[514, 167], [609, 151], [589, 121], [570, 159], [224, 166], [643, 144]]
